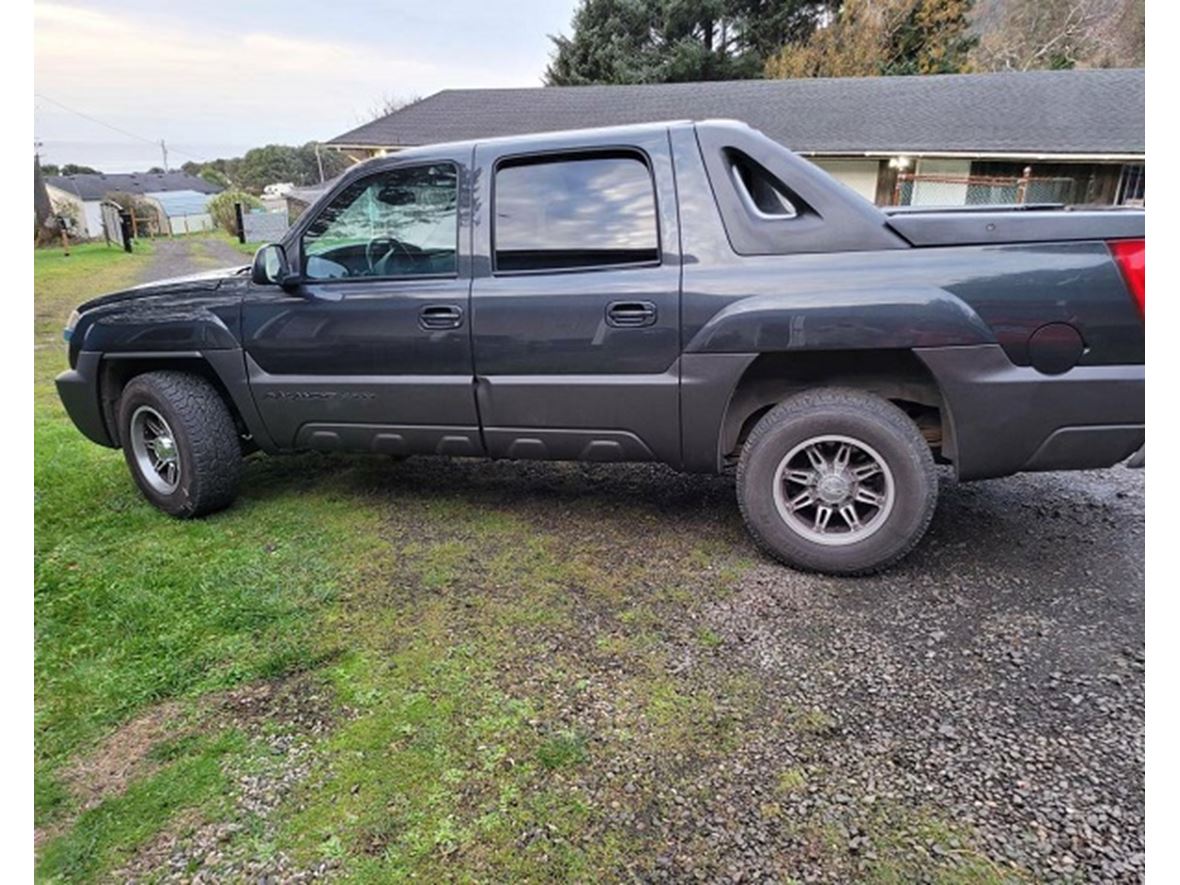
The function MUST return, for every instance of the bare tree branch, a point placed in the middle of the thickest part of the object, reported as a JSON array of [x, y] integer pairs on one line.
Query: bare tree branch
[[1029, 34]]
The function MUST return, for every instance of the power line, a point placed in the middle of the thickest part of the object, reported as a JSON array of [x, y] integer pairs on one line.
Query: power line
[[112, 127], [93, 119]]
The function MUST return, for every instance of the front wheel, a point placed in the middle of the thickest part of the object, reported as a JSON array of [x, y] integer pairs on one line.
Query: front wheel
[[837, 481], [180, 442]]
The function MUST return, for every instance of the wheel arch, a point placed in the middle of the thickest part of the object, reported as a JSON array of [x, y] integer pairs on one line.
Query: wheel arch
[[895, 375], [223, 369]]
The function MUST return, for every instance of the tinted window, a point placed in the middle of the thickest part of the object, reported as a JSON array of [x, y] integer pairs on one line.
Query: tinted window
[[398, 223], [575, 212]]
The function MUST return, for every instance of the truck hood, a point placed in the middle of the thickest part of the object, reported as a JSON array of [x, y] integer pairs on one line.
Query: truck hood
[[192, 285]]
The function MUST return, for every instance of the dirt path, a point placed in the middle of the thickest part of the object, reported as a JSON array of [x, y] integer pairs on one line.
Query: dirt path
[[188, 255]]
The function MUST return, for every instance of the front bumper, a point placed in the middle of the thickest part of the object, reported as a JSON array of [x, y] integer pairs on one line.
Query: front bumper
[[78, 390], [1135, 462]]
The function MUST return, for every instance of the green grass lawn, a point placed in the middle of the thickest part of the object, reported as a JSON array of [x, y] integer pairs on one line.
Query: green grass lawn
[[475, 647], [132, 609]]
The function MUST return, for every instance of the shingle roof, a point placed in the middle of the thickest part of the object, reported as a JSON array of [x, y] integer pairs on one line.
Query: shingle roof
[[95, 186], [1063, 112]]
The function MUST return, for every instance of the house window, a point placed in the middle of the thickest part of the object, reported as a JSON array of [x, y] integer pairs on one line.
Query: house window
[[574, 212], [1132, 185]]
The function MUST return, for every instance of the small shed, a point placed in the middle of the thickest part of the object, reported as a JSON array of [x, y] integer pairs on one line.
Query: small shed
[[82, 195], [182, 212]]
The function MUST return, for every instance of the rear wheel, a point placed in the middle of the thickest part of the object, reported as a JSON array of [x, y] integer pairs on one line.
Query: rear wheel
[[180, 442], [837, 481]]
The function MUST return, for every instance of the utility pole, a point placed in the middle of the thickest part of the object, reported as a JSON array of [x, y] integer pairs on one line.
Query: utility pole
[[319, 161], [164, 151]]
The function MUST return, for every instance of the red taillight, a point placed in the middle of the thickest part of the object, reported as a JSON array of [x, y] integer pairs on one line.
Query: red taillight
[[1129, 255]]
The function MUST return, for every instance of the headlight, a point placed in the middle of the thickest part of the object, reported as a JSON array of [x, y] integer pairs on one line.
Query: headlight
[[68, 331]]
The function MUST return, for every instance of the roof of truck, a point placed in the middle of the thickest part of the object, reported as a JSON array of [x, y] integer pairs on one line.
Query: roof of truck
[[533, 140]]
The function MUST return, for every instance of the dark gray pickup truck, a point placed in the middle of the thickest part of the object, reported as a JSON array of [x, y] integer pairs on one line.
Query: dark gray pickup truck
[[691, 293]]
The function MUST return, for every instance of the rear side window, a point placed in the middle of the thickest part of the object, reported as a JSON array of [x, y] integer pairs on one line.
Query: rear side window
[[574, 212]]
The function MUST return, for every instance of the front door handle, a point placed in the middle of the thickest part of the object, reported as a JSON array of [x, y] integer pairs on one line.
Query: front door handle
[[440, 316], [630, 314]]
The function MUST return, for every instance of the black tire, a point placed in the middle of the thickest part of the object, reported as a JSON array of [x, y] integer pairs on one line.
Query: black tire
[[206, 441], [858, 416]]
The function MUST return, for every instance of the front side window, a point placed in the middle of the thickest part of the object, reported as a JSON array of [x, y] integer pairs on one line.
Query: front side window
[[398, 223], [595, 210]]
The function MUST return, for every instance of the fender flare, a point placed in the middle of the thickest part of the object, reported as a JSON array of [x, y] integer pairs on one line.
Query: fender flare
[[849, 319], [227, 367]]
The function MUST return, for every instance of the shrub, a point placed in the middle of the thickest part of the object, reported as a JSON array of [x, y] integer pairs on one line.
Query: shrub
[[66, 210], [127, 202], [215, 176], [148, 220], [221, 207]]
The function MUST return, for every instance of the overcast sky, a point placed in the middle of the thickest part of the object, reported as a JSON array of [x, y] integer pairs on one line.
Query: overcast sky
[[217, 77]]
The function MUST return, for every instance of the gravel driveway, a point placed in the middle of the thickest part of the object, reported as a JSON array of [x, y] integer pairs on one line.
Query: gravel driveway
[[996, 676], [991, 684], [188, 255]]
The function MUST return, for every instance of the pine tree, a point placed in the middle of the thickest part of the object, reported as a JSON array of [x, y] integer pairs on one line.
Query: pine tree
[[667, 41]]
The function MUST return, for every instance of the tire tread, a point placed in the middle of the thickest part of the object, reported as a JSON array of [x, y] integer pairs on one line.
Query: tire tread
[[208, 425]]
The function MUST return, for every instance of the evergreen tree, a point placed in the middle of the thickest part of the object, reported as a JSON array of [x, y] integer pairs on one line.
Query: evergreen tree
[[269, 165], [883, 37], [670, 41], [933, 37]]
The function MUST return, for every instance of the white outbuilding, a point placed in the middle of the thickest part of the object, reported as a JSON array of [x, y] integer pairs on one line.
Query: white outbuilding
[[179, 198]]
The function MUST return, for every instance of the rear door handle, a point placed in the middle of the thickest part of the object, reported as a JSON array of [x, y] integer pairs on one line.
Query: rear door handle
[[630, 314], [440, 316]]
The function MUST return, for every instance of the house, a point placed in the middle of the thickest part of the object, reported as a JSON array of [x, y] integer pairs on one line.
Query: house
[[1061, 136], [178, 200]]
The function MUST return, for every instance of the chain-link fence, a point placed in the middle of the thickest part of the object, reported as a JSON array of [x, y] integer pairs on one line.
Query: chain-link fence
[[917, 189]]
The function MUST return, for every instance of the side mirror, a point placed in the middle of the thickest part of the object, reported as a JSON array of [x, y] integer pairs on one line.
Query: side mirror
[[270, 267]]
